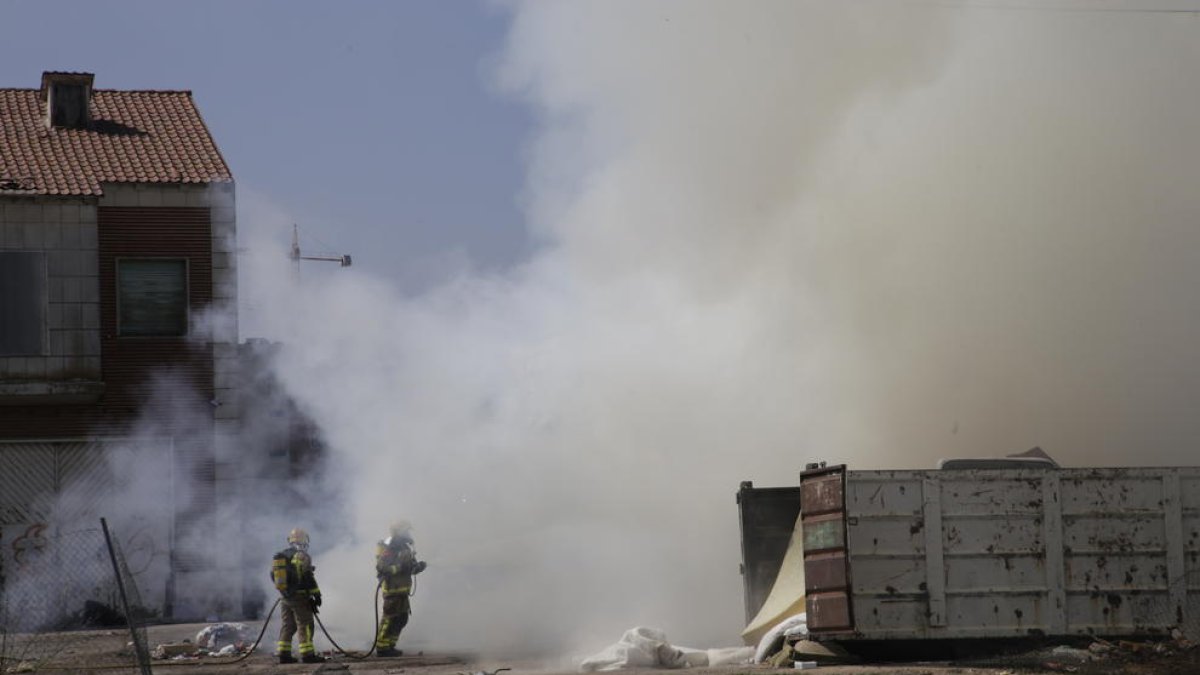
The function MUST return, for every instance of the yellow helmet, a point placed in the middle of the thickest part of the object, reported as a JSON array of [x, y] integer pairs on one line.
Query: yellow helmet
[[401, 528], [298, 538]]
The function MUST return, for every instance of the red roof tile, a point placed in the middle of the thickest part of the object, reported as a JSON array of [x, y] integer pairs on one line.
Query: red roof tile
[[134, 137]]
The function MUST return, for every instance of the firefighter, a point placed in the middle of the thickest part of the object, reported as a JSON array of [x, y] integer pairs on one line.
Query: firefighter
[[292, 573], [395, 566]]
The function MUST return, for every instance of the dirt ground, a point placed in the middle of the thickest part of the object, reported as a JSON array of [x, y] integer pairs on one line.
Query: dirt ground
[[109, 651]]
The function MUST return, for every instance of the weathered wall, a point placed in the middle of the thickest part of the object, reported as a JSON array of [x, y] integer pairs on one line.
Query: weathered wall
[[65, 229], [108, 379]]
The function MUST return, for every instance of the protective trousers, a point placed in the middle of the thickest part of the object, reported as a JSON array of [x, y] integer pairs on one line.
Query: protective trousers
[[395, 616], [297, 615]]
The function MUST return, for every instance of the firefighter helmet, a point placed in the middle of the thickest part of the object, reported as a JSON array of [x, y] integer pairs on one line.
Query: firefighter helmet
[[401, 528], [298, 538]]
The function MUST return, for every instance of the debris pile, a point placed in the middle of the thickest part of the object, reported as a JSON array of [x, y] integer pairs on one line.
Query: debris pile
[[218, 639], [1065, 659]]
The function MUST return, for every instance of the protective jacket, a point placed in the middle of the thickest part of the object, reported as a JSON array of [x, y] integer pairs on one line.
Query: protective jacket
[[395, 564], [292, 574]]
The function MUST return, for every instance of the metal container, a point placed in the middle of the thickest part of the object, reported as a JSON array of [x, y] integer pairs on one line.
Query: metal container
[[767, 517], [1000, 553]]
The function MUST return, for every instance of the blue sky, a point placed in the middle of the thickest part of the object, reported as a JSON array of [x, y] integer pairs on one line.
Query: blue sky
[[374, 124]]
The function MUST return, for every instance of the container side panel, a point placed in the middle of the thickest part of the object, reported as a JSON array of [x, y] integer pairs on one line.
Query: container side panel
[[1189, 490], [889, 576], [974, 536], [881, 617], [1102, 573], [1113, 551], [894, 537], [997, 573], [987, 495], [999, 614], [894, 497], [1117, 613], [1115, 533], [1105, 492]]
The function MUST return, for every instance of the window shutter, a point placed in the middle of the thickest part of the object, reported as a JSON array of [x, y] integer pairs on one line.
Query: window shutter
[[152, 297], [22, 302]]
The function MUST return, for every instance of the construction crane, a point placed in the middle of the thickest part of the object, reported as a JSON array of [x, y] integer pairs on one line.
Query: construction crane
[[297, 256]]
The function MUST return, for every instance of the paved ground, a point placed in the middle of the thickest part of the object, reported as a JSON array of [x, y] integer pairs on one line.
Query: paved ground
[[109, 652]]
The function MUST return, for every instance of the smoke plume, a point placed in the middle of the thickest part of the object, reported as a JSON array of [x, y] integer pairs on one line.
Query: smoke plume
[[770, 233]]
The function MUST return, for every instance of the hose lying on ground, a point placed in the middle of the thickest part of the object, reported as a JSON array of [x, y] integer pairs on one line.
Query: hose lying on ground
[[374, 636], [219, 661], [111, 666]]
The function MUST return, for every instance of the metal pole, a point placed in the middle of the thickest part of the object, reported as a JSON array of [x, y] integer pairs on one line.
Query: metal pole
[[138, 647]]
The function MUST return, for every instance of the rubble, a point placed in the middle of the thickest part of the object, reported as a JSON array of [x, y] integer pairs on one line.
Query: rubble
[[219, 639], [217, 636], [172, 650]]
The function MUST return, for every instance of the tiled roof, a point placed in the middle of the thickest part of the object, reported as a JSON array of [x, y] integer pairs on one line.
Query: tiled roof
[[134, 137]]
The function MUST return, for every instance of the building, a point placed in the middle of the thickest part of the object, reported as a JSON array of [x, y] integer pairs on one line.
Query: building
[[118, 336]]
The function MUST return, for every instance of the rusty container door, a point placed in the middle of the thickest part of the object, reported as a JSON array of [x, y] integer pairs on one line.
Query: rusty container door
[[826, 565], [767, 517]]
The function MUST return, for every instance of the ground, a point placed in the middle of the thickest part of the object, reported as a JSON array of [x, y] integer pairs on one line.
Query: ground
[[108, 651]]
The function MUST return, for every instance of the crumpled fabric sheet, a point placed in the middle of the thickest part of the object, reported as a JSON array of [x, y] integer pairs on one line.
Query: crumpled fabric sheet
[[772, 641], [645, 647], [219, 635]]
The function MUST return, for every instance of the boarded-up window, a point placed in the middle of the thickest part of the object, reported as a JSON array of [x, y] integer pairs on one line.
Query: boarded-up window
[[152, 297], [22, 302]]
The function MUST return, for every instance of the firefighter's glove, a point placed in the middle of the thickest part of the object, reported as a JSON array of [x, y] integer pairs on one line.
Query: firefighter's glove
[[419, 567], [315, 601]]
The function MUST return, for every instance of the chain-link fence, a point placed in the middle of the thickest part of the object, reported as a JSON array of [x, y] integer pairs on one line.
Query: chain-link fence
[[58, 589]]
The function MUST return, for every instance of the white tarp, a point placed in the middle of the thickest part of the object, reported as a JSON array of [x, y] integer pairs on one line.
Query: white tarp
[[644, 647], [772, 641]]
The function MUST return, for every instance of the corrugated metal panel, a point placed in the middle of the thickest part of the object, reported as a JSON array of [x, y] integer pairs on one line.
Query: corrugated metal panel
[[767, 518], [1009, 553], [826, 572], [129, 362], [28, 482], [56, 486]]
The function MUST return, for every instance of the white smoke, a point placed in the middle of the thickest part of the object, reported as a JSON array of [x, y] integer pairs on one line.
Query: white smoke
[[771, 233]]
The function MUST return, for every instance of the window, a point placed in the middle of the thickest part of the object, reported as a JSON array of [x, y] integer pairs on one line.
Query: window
[[68, 105], [152, 297], [22, 303]]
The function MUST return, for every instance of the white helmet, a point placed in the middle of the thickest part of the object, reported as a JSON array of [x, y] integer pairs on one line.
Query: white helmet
[[298, 538]]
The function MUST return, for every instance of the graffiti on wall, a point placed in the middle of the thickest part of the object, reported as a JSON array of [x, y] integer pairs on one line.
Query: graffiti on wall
[[28, 548]]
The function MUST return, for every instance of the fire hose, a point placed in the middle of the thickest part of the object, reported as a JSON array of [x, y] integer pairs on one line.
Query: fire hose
[[329, 637], [253, 647]]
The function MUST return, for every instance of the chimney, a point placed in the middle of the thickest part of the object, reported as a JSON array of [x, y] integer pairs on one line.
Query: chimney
[[68, 97]]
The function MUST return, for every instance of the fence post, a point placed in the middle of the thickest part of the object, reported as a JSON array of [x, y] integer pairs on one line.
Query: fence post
[[140, 649]]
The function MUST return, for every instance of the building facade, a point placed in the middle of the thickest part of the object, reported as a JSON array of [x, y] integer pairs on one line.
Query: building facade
[[118, 337]]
